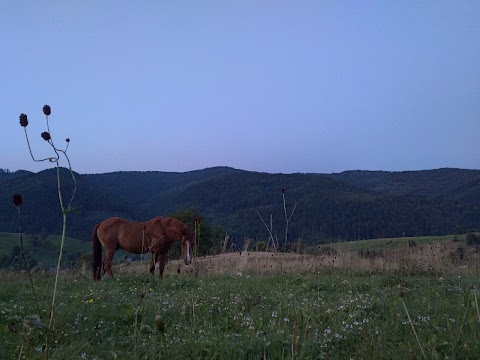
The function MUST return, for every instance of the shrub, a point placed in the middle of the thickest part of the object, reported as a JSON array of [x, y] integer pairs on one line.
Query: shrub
[[472, 239], [327, 250]]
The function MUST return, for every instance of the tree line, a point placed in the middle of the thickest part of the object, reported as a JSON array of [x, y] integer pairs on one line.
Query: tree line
[[345, 206]]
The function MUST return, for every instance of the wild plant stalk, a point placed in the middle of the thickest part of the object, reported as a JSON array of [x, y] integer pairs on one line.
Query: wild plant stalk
[[413, 328], [273, 239], [287, 218], [269, 229], [246, 243], [474, 290], [462, 324], [144, 247], [135, 331], [264, 345], [198, 238], [17, 201], [65, 209], [193, 311], [225, 243], [197, 223]]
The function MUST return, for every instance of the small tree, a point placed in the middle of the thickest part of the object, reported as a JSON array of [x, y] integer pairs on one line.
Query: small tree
[[208, 238], [472, 239]]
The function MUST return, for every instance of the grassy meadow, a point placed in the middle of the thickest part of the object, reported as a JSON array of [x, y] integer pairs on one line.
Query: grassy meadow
[[394, 243], [46, 253], [330, 305]]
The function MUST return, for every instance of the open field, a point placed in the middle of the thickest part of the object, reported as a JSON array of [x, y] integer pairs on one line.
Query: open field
[[404, 303], [393, 243], [437, 256], [334, 315], [46, 253]]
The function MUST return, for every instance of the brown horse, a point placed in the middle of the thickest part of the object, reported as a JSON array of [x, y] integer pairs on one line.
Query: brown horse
[[154, 236]]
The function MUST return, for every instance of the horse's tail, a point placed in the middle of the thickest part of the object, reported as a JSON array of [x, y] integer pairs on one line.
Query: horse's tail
[[97, 254]]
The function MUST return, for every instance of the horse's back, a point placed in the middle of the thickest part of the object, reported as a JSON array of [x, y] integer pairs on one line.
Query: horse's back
[[112, 221], [112, 228], [122, 233]]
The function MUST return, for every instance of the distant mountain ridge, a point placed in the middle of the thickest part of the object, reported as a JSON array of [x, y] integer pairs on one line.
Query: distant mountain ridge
[[349, 205]]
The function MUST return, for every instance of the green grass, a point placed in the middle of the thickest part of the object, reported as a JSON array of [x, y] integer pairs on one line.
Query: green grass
[[9, 240], [335, 315], [46, 253], [390, 243]]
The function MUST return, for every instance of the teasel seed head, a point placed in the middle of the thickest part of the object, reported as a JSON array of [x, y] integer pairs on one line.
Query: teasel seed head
[[17, 200], [46, 110], [46, 136], [23, 120]]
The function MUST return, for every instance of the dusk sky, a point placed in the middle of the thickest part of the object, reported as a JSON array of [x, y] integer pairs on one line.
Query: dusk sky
[[272, 86]]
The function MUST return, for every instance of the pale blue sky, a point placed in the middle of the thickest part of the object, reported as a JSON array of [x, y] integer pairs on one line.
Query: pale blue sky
[[274, 86]]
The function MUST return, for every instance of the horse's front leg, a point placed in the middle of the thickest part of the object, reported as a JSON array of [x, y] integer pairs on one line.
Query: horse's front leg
[[153, 262], [163, 259]]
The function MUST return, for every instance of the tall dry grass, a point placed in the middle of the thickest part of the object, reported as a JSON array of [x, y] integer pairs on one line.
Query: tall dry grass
[[441, 258]]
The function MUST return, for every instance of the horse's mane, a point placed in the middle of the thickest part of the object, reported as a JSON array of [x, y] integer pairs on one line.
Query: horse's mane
[[175, 225]]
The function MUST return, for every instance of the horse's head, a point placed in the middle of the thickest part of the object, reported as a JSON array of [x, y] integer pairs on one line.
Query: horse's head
[[188, 242]]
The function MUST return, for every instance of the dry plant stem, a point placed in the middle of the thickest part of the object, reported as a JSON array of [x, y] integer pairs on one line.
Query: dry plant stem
[[265, 345], [135, 332], [197, 239], [64, 210], [413, 328], [152, 259], [50, 323], [264, 223], [224, 246], [287, 218], [55, 160], [25, 260], [474, 289], [64, 227], [69, 207], [30, 149], [196, 247], [463, 321], [61, 246], [21, 352], [270, 236], [275, 243], [246, 244], [193, 311]]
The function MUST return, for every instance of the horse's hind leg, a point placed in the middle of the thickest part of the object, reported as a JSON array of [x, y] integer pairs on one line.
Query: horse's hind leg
[[107, 262]]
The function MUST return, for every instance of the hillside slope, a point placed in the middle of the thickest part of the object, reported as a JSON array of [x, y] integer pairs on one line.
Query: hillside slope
[[350, 205]]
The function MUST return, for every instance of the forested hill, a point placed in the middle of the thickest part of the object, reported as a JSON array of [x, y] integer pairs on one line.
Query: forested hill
[[349, 205], [454, 184]]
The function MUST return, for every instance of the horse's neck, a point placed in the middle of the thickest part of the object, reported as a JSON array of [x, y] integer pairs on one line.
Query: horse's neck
[[148, 235], [169, 238]]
